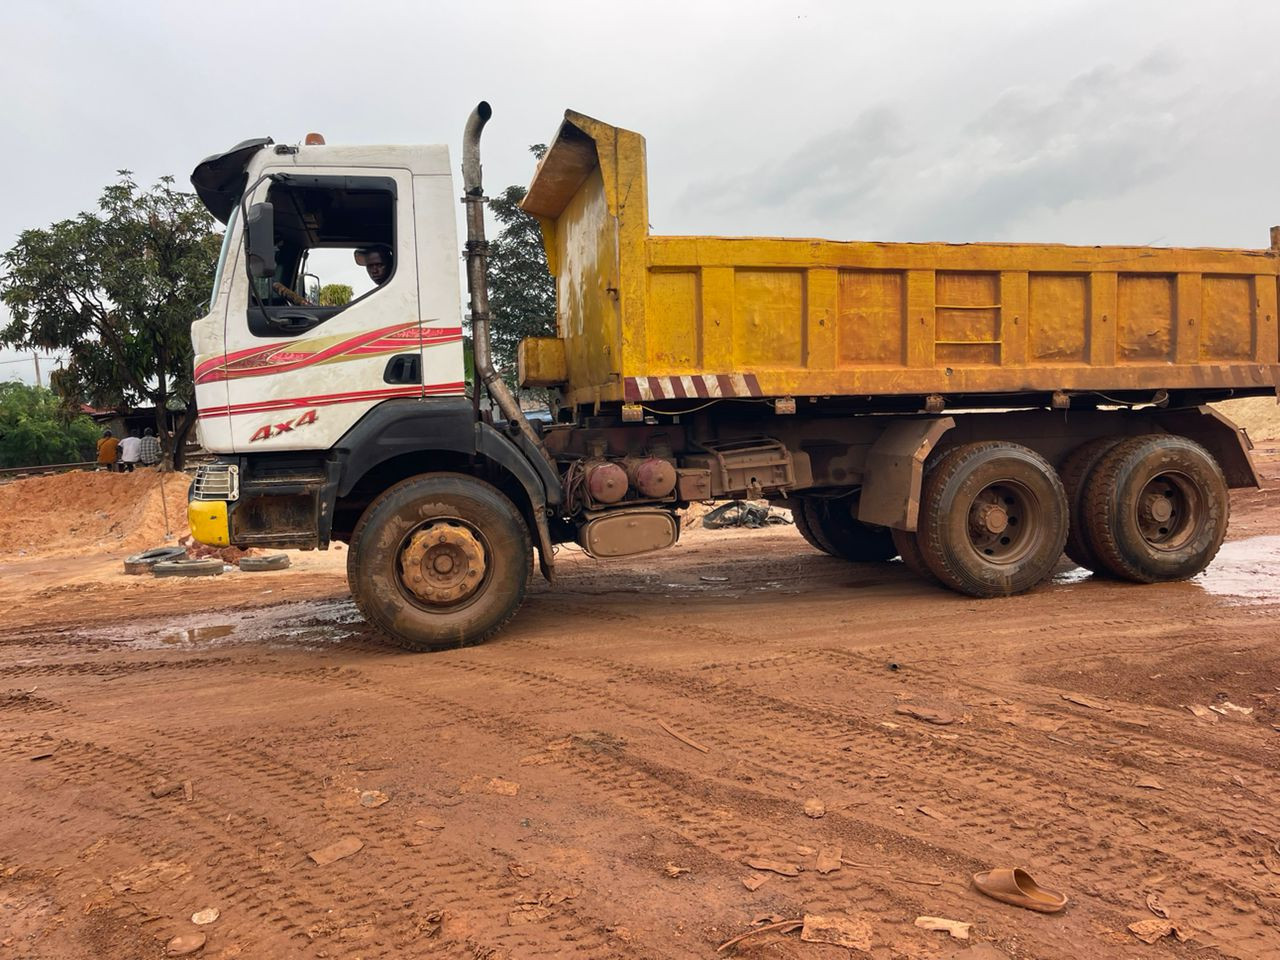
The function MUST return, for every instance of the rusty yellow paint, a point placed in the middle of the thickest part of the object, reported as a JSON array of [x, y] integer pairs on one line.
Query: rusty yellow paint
[[819, 317], [541, 362]]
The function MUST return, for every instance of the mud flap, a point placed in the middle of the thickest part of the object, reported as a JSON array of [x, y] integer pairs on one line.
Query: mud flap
[[895, 466]]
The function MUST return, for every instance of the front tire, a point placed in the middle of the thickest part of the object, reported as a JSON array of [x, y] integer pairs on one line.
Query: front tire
[[993, 519], [440, 561], [1156, 509]]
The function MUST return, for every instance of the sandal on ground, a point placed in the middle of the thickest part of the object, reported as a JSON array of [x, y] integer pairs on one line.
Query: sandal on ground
[[1017, 888]]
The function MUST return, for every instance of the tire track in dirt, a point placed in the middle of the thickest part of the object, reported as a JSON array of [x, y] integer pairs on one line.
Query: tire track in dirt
[[1081, 839]]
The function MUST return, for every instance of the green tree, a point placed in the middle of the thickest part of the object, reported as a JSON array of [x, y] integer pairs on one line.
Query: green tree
[[334, 295], [116, 289], [35, 429], [522, 292]]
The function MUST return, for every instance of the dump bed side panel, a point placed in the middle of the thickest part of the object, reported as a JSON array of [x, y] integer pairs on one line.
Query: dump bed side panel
[[650, 318], [801, 317]]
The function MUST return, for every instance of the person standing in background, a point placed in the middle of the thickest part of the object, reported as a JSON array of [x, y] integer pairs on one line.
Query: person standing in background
[[149, 452], [130, 451], [108, 450]]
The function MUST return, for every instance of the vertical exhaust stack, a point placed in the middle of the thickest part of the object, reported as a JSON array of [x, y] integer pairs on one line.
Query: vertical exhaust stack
[[477, 249]]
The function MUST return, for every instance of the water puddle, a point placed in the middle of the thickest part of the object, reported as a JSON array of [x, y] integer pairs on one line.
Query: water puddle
[[1246, 569], [306, 625]]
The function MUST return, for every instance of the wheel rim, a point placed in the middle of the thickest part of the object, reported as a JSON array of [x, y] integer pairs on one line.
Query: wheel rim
[[1004, 523], [1170, 511], [443, 564]]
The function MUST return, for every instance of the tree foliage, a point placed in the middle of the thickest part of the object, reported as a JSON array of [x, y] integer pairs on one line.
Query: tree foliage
[[334, 295], [117, 289], [35, 429], [522, 292]]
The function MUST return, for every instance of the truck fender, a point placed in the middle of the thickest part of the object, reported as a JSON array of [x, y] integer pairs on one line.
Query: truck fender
[[505, 452], [1228, 443], [895, 467]]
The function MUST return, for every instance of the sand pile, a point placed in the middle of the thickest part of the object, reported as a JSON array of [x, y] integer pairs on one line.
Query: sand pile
[[85, 512], [1258, 415]]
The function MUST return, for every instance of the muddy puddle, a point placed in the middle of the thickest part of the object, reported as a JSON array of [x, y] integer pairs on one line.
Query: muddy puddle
[[306, 625]]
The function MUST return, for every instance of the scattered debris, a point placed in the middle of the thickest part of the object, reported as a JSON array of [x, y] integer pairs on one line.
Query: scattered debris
[[1152, 929], [166, 787], [958, 930], [1083, 701], [828, 860], [184, 944], [373, 798], [520, 871], [1017, 887], [682, 738], [1226, 708], [740, 513], [932, 813], [1156, 907], [206, 916], [672, 870], [855, 863], [842, 931], [927, 714], [815, 808], [1202, 712], [773, 866], [336, 851], [528, 913], [781, 926], [188, 791], [709, 579], [41, 756], [503, 788], [1149, 783], [755, 881], [922, 883]]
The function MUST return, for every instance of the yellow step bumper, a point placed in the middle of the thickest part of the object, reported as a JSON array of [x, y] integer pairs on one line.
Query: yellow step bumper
[[208, 521]]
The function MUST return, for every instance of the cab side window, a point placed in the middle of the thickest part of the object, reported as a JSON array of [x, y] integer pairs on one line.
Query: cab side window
[[334, 240]]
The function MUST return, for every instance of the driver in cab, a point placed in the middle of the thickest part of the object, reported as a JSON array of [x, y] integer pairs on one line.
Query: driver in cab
[[377, 260]]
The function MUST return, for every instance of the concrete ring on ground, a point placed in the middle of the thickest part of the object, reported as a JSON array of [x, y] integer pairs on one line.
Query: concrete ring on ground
[[275, 561], [143, 562], [202, 567]]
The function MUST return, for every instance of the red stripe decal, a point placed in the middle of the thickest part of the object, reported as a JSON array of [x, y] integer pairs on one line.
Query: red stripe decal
[[726, 385], [630, 391], [273, 406], [677, 386], [699, 385], [753, 385]]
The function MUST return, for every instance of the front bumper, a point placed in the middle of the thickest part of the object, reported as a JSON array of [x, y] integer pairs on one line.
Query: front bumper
[[208, 522]]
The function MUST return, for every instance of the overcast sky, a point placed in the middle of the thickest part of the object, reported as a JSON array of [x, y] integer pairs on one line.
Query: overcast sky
[[1076, 122]]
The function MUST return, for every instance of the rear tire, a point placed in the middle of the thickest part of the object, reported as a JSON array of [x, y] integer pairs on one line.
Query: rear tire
[[440, 561], [993, 519], [908, 546], [1156, 509], [1075, 473], [850, 538], [800, 516]]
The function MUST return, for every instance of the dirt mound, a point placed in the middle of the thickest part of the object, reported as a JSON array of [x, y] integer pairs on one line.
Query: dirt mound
[[68, 513], [1259, 415]]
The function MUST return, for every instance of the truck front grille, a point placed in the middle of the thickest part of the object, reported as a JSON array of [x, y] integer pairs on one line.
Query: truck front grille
[[216, 481]]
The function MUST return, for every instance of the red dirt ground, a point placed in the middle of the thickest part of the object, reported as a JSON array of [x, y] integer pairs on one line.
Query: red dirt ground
[[538, 796]]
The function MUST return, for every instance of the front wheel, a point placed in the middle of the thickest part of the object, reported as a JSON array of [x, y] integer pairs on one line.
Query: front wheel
[[440, 560]]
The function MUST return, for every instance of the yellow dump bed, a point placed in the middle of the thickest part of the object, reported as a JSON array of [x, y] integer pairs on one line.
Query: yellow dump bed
[[643, 317]]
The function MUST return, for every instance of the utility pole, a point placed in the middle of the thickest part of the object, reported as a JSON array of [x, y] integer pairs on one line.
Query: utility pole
[[36, 359]]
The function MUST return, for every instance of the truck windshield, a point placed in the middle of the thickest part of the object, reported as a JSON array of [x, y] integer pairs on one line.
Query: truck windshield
[[222, 256]]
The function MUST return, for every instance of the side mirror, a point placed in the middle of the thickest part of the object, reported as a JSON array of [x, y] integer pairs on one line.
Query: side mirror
[[260, 240]]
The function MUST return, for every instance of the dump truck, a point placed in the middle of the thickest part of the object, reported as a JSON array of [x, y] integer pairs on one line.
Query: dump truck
[[974, 409]]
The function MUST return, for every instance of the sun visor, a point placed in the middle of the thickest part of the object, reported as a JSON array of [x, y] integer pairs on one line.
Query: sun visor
[[220, 180]]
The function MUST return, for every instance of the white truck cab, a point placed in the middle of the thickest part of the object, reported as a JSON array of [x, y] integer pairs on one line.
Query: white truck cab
[[276, 370]]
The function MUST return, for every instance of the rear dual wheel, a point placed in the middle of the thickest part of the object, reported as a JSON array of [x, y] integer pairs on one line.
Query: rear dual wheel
[[993, 519], [439, 561], [1154, 508]]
